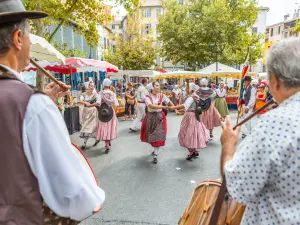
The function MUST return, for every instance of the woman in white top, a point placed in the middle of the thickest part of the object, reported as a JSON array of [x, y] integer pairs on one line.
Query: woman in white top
[[107, 131], [154, 126], [193, 134], [220, 102], [89, 114]]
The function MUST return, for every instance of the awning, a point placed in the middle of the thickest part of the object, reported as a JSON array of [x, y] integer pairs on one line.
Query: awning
[[52, 67], [88, 65], [43, 50]]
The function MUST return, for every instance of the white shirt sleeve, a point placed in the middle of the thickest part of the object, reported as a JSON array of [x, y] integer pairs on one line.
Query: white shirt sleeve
[[99, 99], [213, 94], [166, 100], [116, 100], [64, 182], [252, 99], [81, 98], [148, 101], [188, 102]]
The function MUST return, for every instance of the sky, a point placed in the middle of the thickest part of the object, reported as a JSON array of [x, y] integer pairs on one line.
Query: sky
[[278, 8]]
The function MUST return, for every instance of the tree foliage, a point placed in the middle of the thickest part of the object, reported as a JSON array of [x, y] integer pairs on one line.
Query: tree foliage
[[86, 14], [297, 27], [69, 52], [195, 33], [133, 51]]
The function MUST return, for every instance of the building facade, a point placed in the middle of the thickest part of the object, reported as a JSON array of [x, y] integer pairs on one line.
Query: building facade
[[149, 13], [281, 31], [259, 28]]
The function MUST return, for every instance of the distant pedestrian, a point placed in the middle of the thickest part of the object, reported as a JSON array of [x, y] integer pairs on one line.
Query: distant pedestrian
[[130, 102], [141, 105]]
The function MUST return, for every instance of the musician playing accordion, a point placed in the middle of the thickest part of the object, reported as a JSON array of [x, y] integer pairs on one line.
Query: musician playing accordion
[[263, 172]]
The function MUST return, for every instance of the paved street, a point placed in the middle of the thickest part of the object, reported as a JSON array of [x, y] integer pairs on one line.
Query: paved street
[[139, 192]]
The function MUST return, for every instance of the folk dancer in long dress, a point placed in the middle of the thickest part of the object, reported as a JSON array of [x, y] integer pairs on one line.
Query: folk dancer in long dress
[[154, 126], [142, 92], [89, 114], [262, 172], [36, 150], [193, 134], [107, 131], [211, 118], [249, 100], [220, 101]]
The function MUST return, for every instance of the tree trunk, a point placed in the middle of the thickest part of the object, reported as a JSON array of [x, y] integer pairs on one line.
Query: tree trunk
[[40, 80]]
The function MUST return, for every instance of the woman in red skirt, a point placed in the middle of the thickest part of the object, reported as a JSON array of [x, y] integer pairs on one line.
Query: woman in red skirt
[[154, 126]]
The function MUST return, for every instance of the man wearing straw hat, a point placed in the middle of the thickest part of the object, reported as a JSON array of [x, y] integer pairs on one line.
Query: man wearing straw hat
[[36, 156], [264, 172]]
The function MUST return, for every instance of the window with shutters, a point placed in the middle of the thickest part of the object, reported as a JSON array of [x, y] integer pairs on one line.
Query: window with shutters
[[147, 28], [272, 32], [146, 12]]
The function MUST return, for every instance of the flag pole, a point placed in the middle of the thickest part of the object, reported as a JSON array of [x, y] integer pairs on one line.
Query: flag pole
[[241, 87]]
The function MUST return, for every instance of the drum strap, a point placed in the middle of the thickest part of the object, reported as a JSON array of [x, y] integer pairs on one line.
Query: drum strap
[[217, 209]]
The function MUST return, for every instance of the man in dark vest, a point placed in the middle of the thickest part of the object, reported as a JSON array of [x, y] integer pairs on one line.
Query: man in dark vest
[[248, 107], [37, 161]]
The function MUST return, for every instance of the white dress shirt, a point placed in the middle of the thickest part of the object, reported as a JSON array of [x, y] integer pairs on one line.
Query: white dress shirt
[[141, 93], [264, 173], [65, 184]]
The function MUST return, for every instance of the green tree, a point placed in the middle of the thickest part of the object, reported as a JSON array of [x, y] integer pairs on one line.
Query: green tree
[[188, 32], [69, 52], [85, 14], [133, 51], [297, 27]]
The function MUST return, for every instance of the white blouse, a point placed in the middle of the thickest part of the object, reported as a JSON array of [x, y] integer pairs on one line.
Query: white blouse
[[155, 101], [99, 97], [221, 93]]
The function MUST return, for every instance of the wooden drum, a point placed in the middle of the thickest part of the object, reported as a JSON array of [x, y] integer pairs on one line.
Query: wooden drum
[[200, 208]]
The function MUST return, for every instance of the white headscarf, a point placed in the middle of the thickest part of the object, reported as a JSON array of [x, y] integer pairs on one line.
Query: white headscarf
[[203, 82], [149, 87], [107, 82], [193, 87]]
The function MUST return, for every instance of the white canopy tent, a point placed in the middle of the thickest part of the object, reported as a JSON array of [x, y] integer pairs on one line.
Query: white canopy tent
[[221, 68], [133, 73]]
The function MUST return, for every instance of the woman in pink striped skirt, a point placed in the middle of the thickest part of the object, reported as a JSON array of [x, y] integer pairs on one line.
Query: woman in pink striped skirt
[[211, 118], [107, 131], [193, 134]]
